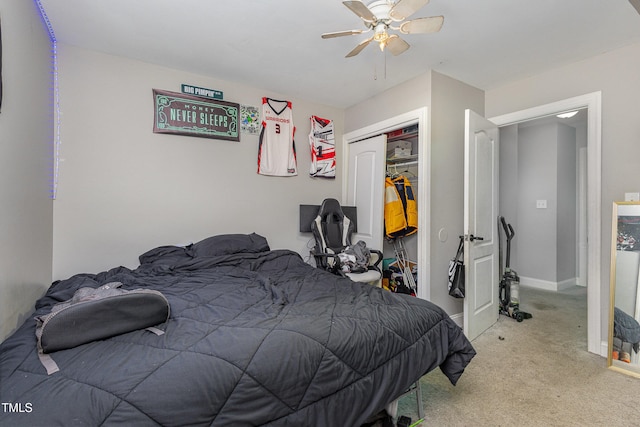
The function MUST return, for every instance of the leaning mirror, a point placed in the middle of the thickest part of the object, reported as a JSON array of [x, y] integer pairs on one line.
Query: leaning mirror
[[624, 318]]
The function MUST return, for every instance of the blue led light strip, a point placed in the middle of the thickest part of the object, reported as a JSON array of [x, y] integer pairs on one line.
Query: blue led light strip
[[56, 101]]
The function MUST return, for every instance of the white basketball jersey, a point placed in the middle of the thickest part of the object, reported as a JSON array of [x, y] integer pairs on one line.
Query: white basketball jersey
[[276, 148], [323, 148]]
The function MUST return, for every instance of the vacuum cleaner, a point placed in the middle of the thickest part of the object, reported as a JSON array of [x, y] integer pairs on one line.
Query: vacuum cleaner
[[510, 283]]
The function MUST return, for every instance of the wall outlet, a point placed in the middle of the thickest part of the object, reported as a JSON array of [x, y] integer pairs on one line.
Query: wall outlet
[[541, 204]]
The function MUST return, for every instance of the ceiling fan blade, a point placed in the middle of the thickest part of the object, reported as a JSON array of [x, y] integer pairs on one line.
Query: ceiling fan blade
[[431, 24], [359, 48], [396, 45], [341, 34], [360, 9], [405, 8]]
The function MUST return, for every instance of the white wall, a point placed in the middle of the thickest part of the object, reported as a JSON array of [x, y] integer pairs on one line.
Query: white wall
[[124, 190], [615, 74], [26, 135]]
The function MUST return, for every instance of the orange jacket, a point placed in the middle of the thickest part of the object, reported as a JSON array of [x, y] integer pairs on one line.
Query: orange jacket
[[400, 208]]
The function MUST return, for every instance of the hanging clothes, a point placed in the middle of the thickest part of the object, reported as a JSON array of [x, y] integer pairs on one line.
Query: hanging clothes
[[323, 148], [400, 208], [276, 145]]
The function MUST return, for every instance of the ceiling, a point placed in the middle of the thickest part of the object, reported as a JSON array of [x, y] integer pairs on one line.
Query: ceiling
[[276, 46]]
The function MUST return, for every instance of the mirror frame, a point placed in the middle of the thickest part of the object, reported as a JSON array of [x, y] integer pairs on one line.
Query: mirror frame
[[611, 363]]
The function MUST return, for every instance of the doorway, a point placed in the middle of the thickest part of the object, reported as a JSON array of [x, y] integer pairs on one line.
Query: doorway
[[543, 196], [592, 103]]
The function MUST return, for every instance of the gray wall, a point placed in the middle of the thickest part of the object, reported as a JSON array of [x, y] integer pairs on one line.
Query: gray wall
[[450, 98], [26, 135], [567, 202], [124, 190], [546, 170], [408, 96], [537, 176], [509, 188]]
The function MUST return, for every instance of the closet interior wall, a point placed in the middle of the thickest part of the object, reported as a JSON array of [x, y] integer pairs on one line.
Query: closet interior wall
[[402, 161]]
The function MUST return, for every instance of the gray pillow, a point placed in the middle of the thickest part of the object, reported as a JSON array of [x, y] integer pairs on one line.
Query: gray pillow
[[226, 244]]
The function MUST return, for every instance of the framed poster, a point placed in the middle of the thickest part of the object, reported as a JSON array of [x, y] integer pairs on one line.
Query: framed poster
[[249, 119], [189, 115]]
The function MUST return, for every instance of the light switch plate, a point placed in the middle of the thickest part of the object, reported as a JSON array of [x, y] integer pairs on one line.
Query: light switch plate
[[631, 197]]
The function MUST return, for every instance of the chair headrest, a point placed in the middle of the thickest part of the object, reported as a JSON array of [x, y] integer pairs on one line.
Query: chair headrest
[[331, 228], [331, 207]]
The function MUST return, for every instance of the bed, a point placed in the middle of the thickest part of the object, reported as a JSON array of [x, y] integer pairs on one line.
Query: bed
[[255, 337]]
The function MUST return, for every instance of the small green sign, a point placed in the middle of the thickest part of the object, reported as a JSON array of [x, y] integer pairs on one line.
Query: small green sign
[[201, 91], [194, 116]]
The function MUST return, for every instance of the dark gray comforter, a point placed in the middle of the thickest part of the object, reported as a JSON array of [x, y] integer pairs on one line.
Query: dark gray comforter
[[255, 338]]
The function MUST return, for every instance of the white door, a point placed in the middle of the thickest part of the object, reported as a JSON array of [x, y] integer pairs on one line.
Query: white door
[[365, 188], [480, 224]]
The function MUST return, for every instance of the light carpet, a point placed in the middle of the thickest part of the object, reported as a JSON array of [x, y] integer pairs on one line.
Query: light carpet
[[534, 373]]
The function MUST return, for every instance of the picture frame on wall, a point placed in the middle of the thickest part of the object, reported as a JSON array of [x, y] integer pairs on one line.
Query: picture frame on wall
[[189, 115]]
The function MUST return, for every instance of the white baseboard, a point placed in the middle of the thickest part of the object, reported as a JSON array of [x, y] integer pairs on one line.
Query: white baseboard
[[458, 318], [548, 285]]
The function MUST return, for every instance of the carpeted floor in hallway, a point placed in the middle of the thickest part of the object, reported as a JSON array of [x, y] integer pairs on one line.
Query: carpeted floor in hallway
[[534, 373]]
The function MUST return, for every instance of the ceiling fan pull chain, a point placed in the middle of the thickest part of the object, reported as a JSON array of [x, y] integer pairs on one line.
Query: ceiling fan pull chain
[[385, 66]]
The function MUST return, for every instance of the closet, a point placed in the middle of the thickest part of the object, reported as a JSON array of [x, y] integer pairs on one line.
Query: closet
[[401, 172], [437, 104], [394, 153]]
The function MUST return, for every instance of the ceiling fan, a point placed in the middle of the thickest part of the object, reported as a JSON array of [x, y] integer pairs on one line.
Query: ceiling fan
[[379, 16]]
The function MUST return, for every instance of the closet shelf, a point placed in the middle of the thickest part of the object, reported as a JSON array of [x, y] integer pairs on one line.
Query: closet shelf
[[403, 161], [407, 135]]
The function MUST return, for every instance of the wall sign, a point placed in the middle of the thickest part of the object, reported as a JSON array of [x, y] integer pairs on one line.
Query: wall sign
[[189, 115], [202, 91]]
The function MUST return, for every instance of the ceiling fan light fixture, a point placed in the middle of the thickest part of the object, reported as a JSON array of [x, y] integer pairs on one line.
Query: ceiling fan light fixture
[[379, 15], [380, 33], [381, 36]]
